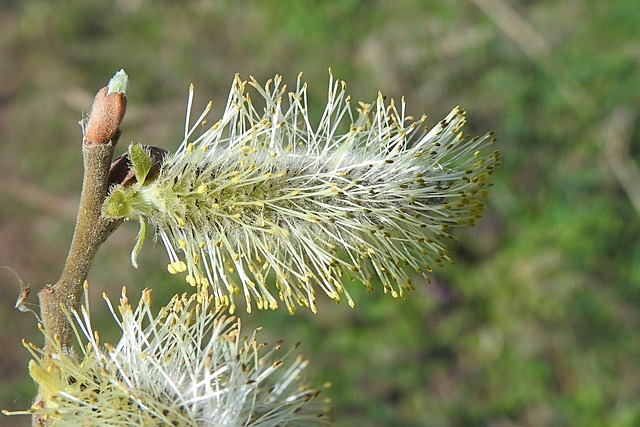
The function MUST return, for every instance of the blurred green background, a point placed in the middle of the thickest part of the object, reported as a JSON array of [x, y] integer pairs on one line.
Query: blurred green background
[[537, 323]]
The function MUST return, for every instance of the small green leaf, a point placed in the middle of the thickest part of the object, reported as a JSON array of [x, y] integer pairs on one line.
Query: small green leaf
[[140, 161], [117, 204], [139, 242]]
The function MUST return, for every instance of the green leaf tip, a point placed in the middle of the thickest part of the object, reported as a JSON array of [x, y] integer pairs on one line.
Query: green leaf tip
[[119, 83], [140, 161]]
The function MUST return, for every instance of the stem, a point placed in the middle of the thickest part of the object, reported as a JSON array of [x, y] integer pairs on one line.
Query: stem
[[101, 133], [90, 232]]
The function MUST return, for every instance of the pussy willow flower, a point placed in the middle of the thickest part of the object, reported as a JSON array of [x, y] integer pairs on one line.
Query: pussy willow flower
[[186, 366], [266, 204]]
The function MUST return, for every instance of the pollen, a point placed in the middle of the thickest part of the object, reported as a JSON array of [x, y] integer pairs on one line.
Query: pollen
[[177, 267]]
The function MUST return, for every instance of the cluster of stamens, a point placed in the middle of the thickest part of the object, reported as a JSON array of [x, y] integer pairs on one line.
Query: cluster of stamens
[[267, 205]]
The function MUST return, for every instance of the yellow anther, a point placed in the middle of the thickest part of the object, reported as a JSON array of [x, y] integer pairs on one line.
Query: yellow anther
[[177, 267]]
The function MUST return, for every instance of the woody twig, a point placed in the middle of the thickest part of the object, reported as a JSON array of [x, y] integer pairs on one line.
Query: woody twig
[[101, 131]]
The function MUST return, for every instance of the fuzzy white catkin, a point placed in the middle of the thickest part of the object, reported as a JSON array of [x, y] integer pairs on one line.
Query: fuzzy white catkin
[[186, 366], [267, 205]]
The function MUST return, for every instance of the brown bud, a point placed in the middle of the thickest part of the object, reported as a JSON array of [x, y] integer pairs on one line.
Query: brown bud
[[106, 115]]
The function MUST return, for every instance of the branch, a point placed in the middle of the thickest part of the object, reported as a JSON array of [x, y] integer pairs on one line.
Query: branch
[[534, 45], [616, 141], [101, 131]]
